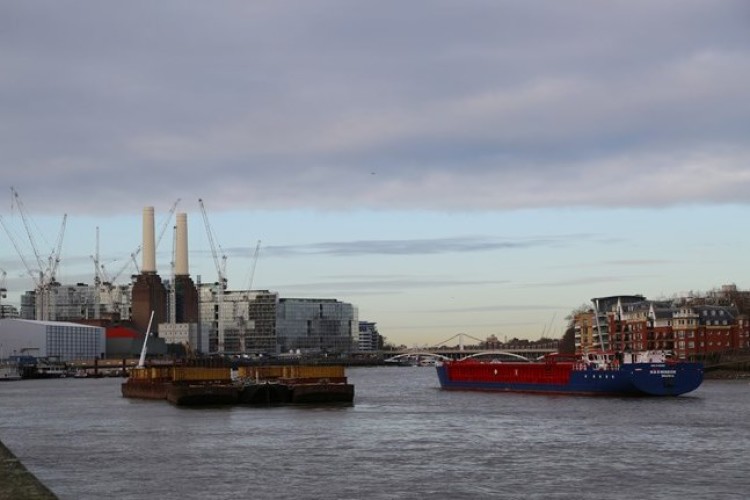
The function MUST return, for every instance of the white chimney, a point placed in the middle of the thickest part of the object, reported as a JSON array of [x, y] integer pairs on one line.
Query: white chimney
[[149, 245], [181, 251]]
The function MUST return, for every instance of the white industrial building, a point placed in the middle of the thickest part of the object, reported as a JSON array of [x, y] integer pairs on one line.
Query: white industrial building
[[66, 341], [186, 334]]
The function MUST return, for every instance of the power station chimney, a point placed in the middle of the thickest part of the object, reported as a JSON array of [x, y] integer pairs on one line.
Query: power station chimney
[[181, 250], [149, 245], [148, 294]]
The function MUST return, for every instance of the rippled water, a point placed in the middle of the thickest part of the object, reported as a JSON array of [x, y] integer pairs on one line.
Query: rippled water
[[403, 438]]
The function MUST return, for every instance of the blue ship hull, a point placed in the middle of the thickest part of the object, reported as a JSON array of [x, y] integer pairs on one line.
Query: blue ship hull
[[638, 379]]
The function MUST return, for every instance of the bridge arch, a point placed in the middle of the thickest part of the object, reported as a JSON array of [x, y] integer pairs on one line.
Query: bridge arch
[[415, 357], [510, 356]]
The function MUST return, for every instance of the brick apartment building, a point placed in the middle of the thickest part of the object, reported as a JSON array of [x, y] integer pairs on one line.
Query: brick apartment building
[[689, 327]]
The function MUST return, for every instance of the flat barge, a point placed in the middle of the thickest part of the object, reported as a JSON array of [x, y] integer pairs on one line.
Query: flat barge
[[247, 385]]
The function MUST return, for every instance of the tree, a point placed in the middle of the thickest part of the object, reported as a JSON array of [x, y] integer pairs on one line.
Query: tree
[[568, 341]]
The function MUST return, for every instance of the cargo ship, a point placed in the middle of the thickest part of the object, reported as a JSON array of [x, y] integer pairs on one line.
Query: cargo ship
[[649, 373]]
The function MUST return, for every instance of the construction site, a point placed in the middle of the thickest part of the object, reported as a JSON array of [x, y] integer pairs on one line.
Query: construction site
[[189, 317]]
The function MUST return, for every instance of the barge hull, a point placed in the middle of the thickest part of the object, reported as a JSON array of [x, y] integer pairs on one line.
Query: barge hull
[[322, 394], [202, 395]]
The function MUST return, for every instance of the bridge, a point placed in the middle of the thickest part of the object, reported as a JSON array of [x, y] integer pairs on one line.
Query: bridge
[[441, 351]]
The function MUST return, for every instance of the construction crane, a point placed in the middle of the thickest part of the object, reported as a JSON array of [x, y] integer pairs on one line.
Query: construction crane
[[98, 272], [22, 211], [221, 276], [3, 290], [3, 286], [133, 257], [54, 258], [241, 319], [254, 264], [45, 276], [32, 274]]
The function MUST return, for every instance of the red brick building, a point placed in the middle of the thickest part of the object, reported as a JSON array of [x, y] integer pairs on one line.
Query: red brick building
[[689, 330]]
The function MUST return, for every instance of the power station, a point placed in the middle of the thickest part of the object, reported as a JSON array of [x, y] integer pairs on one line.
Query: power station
[[199, 317]]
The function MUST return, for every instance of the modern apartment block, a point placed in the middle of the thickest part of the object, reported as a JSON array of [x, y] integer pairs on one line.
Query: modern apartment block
[[369, 338], [259, 321], [316, 326]]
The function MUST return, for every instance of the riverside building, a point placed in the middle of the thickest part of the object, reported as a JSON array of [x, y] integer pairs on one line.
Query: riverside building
[[59, 339], [688, 327]]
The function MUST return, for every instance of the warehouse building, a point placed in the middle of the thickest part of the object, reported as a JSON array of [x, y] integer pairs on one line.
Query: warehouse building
[[42, 339]]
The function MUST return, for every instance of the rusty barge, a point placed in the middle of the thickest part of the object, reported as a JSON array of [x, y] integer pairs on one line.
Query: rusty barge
[[247, 385]]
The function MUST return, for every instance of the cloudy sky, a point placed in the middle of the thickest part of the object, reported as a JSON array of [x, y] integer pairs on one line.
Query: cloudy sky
[[447, 166]]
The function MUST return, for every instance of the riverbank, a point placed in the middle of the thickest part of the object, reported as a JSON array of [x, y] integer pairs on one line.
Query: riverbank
[[17, 482], [726, 374]]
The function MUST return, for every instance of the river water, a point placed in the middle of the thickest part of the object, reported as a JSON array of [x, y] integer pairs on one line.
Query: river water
[[402, 438]]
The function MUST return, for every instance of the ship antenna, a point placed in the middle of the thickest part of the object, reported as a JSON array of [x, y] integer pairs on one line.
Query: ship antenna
[[142, 360]]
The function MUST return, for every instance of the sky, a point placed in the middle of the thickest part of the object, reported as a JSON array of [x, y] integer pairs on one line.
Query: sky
[[473, 166]]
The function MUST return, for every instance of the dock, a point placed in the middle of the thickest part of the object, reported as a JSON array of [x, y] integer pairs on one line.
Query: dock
[[17, 482]]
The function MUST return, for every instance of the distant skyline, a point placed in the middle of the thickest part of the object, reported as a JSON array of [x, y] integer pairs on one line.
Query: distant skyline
[[477, 167]]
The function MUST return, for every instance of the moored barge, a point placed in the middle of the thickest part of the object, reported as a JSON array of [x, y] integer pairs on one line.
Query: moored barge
[[248, 385]]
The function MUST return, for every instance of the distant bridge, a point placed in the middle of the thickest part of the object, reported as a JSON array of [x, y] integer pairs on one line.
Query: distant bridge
[[445, 354], [441, 351]]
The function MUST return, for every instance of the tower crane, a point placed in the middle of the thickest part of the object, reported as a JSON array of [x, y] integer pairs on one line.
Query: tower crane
[[44, 276], [3, 287], [54, 258], [98, 273], [3, 290], [33, 275], [221, 275], [254, 264], [22, 210]]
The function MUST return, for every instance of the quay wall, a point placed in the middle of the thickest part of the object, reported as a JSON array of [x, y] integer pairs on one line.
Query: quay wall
[[17, 482]]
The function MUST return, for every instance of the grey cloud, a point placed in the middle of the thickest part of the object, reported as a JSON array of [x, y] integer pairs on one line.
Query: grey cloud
[[457, 244], [453, 105], [380, 285], [501, 308], [394, 247]]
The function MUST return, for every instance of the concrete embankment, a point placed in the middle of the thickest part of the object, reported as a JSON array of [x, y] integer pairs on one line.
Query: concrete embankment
[[18, 483]]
